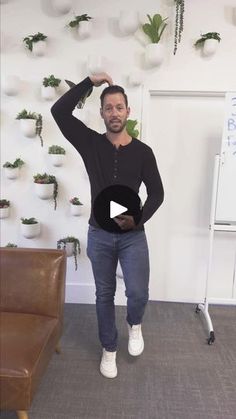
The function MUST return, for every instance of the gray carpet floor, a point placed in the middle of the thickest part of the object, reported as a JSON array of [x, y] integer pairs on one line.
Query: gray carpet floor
[[178, 376]]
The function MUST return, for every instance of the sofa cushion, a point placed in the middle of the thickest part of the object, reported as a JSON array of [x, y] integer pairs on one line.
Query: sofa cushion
[[27, 343]]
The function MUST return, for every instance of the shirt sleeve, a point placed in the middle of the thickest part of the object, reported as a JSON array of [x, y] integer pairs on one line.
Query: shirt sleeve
[[74, 130], [152, 180]]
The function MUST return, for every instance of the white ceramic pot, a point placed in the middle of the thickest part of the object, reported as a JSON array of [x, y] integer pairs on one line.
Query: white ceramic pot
[[12, 173], [84, 29], [62, 6], [39, 48], [128, 22], [69, 249], [95, 64], [4, 212], [75, 209], [154, 54], [48, 93], [135, 78], [30, 230], [11, 85], [210, 46], [82, 115], [44, 190], [28, 127], [57, 159]]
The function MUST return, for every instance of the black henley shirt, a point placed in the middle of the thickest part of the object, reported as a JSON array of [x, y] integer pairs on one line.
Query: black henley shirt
[[129, 165]]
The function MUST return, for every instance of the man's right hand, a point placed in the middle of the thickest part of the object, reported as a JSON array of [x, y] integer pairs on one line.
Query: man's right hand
[[101, 78]]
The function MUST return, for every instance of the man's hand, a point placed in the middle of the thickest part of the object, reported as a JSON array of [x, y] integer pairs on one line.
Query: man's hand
[[101, 78], [125, 222]]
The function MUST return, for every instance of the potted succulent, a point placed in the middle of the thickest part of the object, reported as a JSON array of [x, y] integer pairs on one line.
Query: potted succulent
[[128, 21], [11, 245], [130, 128], [62, 6], [154, 30], [4, 208], [80, 112], [82, 24], [179, 22], [36, 43], [75, 206], [12, 169], [72, 247], [48, 89], [31, 124], [11, 85], [30, 227], [57, 154], [208, 42], [46, 187]]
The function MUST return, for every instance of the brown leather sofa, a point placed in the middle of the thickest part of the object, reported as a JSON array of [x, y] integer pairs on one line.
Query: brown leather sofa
[[32, 294]]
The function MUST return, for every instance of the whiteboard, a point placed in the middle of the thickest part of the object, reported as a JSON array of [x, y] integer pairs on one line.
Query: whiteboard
[[226, 194]]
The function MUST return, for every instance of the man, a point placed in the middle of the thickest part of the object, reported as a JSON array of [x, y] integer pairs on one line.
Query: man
[[114, 158]]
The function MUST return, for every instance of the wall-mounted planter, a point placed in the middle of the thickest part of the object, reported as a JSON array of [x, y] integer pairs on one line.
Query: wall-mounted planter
[[154, 54], [11, 85], [48, 93], [62, 6], [28, 127], [82, 114], [135, 79], [39, 48], [84, 29], [128, 22], [4, 212], [30, 230], [210, 46], [95, 64], [57, 159], [12, 173], [44, 190], [75, 210]]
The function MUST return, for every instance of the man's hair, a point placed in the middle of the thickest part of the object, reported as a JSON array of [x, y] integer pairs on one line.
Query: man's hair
[[111, 90]]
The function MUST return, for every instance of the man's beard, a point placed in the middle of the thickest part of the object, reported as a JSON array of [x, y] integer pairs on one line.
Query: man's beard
[[115, 128]]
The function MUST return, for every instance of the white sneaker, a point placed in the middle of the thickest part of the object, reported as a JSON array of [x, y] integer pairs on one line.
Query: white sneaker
[[136, 342], [108, 364]]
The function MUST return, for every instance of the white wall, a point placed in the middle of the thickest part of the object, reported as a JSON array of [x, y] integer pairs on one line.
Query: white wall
[[66, 58]]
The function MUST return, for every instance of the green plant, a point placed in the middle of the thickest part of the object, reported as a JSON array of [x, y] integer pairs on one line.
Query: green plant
[[82, 100], [4, 203], [39, 121], [61, 244], [179, 22], [29, 40], [56, 149], [31, 220], [78, 19], [51, 81], [75, 201], [205, 36], [130, 128], [48, 179], [17, 163], [11, 245], [155, 28]]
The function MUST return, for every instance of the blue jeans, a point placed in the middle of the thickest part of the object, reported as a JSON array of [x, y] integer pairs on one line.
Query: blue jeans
[[104, 249]]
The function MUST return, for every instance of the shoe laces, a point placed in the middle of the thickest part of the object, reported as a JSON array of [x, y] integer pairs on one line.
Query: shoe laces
[[109, 356], [135, 331]]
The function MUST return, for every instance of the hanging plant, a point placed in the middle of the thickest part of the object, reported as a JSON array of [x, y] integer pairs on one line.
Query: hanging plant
[[24, 115], [130, 127], [82, 18], [71, 245], [45, 179], [179, 22], [205, 36], [36, 43]]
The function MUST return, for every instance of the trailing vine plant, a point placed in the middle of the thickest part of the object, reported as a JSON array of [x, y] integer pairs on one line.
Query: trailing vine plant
[[179, 22]]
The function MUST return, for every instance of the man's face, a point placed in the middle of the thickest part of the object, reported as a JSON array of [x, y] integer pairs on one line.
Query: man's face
[[114, 112]]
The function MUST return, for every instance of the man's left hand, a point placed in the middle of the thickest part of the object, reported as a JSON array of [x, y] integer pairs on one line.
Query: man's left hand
[[125, 222]]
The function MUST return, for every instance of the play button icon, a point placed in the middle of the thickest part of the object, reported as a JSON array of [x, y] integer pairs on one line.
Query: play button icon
[[116, 209], [114, 201]]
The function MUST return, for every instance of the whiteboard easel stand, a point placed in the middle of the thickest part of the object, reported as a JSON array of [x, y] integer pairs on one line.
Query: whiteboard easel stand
[[212, 227]]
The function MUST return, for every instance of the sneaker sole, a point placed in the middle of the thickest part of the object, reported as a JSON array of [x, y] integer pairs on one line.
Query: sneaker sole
[[108, 375], [136, 353]]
